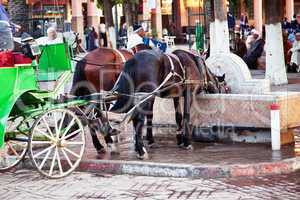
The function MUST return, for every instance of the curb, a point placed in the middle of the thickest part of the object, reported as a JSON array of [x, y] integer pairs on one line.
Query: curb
[[190, 171]]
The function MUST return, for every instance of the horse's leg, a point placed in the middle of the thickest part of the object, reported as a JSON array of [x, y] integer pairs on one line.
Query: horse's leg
[[138, 123], [178, 118], [186, 118], [178, 113], [149, 118], [98, 146]]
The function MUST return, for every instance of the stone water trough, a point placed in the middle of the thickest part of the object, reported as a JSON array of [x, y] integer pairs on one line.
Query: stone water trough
[[243, 115]]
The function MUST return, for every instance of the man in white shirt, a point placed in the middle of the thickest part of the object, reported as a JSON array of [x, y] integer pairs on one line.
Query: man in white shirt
[[136, 37], [295, 51], [52, 37]]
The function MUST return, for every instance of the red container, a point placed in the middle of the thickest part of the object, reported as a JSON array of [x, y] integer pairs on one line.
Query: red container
[[6, 59], [20, 59]]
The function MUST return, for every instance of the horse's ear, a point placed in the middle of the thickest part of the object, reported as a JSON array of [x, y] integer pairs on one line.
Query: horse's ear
[[221, 78]]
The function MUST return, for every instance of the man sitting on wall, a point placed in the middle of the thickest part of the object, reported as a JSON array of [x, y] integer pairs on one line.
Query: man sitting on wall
[[255, 51]]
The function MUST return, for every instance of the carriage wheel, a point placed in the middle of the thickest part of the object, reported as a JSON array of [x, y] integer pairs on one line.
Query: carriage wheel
[[15, 145], [56, 143]]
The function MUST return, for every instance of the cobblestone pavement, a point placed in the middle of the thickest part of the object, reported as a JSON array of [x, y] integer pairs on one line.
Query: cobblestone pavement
[[24, 184]]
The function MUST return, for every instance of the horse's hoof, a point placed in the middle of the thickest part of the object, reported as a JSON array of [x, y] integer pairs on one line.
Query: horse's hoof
[[153, 146], [145, 156], [189, 147], [101, 151], [179, 140], [113, 149], [114, 132], [180, 145]]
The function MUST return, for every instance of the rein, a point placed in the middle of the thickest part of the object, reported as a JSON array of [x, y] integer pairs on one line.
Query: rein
[[98, 65]]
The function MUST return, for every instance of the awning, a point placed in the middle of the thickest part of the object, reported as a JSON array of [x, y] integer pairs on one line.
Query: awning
[[47, 2]]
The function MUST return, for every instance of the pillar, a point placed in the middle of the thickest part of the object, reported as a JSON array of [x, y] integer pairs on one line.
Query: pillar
[[289, 9], [77, 17], [92, 14], [146, 11], [219, 33], [258, 15], [157, 19], [275, 64]]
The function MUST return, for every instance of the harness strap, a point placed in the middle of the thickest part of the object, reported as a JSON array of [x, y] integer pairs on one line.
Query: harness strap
[[121, 55], [180, 64], [148, 96], [173, 68], [205, 71], [129, 51]]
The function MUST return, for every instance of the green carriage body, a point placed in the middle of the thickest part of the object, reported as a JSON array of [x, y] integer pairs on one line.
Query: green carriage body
[[54, 60], [16, 81]]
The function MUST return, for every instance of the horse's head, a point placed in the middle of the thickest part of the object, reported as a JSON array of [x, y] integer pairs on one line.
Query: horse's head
[[215, 84], [218, 85]]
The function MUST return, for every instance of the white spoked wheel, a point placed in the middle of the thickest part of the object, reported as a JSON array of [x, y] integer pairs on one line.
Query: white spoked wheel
[[15, 146], [56, 143]]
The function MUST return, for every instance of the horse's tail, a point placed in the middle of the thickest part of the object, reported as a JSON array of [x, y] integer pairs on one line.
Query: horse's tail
[[125, 87], [79, 80]]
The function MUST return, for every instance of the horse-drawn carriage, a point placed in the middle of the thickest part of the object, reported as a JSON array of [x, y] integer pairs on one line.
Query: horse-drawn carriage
[[34, 120], [51, 127]]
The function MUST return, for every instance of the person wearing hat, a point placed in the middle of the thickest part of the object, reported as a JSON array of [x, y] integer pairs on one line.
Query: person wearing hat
[[51, 38], [295, 51], [254, 35], [256, 50], [137, 37]]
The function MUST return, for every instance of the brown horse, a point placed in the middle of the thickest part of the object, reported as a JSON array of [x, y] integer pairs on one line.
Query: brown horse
[[180, 74], [98, 71]]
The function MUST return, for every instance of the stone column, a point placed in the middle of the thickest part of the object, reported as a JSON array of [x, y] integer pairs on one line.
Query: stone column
[[219, 33], [146, 11], [289, 9], [258, 15], [92, 14], [77, 17], [275, 64], [157, 19]]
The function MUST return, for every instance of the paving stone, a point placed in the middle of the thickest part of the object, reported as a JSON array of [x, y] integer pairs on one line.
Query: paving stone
[[25, 184]]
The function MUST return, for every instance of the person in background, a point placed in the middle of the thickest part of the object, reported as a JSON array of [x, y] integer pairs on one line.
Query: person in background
[[87, 31], [37, 32], [286, 46], [256, 50], [92, 39], [295, 52], [123, 30], [5, 17], [3, 14], [239, 46], [231, 24], [286, 24], [296, 24], [102, 36], [137, 37], [243, 23], [51, 38], [254, 35], [291, 36]]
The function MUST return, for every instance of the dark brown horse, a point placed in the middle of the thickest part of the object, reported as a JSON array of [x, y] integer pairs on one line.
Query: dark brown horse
[[98, 71], [168, 76]]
